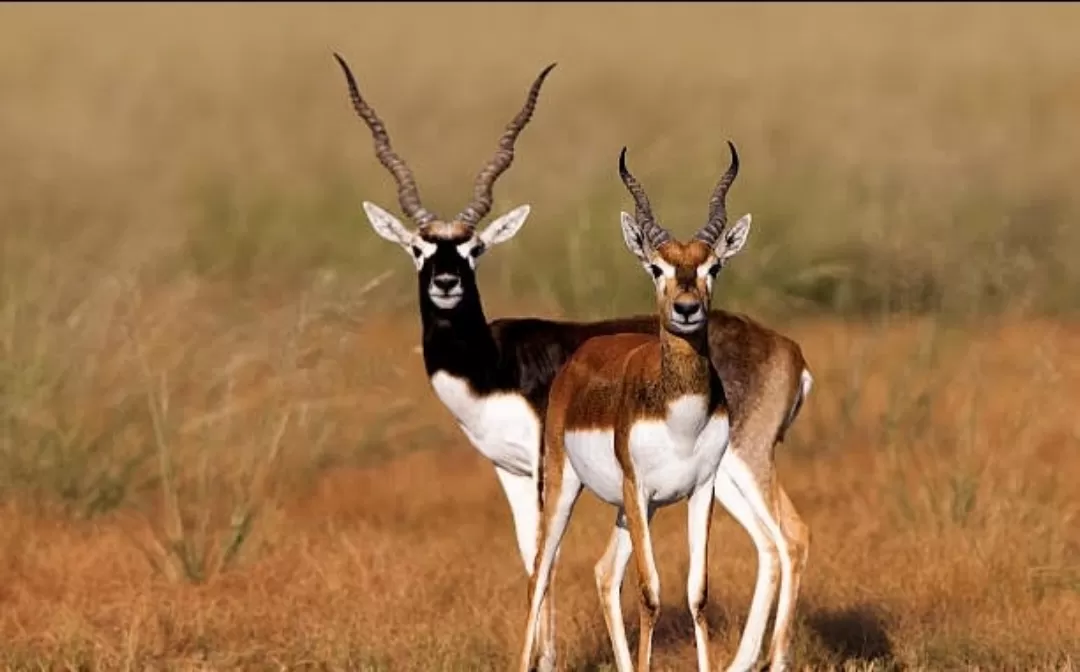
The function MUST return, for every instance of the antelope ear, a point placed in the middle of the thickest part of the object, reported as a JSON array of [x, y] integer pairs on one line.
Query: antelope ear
[[632, 235], [733, 239], [506, 227], [386, 225]]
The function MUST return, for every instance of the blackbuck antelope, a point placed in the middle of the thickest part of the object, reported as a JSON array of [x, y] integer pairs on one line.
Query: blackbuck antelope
[[494, 379], [641, 421]]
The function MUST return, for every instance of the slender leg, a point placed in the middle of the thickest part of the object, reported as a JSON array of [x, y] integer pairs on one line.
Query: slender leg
[[768, 572], [791, 538], [768, 576], [610, 571], [522, 495], [638, 514], [561, 505], [698, 518], [797, 539], [546, 662]]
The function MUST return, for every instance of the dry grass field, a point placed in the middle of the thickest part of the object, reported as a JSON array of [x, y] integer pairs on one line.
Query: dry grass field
[[218, 449]]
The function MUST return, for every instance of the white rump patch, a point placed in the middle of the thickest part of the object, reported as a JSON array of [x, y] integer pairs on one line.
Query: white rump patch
[[806, 381]]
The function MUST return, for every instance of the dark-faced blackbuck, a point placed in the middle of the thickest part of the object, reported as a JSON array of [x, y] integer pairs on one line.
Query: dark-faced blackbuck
[[494, 378]]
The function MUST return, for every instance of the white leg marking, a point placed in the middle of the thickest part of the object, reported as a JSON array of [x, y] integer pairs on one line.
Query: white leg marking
[[563, 506], [651, 579], [768, 573], [767, 512], [609, 578], [699, 514], [521, 492]]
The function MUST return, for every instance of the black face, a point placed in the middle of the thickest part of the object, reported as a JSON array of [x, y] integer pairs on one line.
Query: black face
[[445, 255], [447, 268]]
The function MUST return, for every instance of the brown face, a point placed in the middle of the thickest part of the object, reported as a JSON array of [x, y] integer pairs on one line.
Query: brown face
[[683, 272], [684, 275]]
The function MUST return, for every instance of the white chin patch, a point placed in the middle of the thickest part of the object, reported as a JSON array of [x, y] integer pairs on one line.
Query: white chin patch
[[445, 302], [686, 327]]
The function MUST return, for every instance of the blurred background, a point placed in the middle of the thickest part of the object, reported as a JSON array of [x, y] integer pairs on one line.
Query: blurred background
[[209, 381]]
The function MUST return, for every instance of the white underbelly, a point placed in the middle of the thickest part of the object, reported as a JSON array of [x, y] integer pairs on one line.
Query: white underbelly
[[503, 427], [592, 455], [669, 465]]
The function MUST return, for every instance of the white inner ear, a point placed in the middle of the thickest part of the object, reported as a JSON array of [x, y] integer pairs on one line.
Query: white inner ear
[[506, 227], [734, 239], [635, 241], [386, 225]]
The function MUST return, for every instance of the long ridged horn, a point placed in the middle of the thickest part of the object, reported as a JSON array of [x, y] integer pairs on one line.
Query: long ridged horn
[[408, 195], [654, 234], [714, 228], [481, 200]]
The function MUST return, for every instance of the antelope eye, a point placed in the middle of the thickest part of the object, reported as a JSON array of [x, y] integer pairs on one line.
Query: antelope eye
[[655, 270], [416, 251], [714, 269], [477, 250]]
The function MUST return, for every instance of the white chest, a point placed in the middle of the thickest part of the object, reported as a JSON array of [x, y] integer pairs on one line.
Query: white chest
[[671, 456], [503, 427]]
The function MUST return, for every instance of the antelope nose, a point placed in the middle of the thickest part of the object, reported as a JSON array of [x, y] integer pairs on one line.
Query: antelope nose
[[685, 308], [445, 282]]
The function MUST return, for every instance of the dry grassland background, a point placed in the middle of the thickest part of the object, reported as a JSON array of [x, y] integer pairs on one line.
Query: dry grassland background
[[218, 449]]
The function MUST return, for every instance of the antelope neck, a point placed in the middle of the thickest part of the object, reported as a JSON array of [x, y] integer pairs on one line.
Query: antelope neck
[[684, 361], [459, 342]]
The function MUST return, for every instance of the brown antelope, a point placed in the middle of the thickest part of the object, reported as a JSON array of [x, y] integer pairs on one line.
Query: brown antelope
[[494, 379], [641, 420]]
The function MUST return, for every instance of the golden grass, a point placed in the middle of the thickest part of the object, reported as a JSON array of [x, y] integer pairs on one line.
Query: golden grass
[[217, 446], [943, 518]]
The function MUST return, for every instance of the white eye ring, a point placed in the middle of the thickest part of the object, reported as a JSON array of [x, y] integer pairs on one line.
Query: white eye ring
[[471, 250], [420, 251]]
